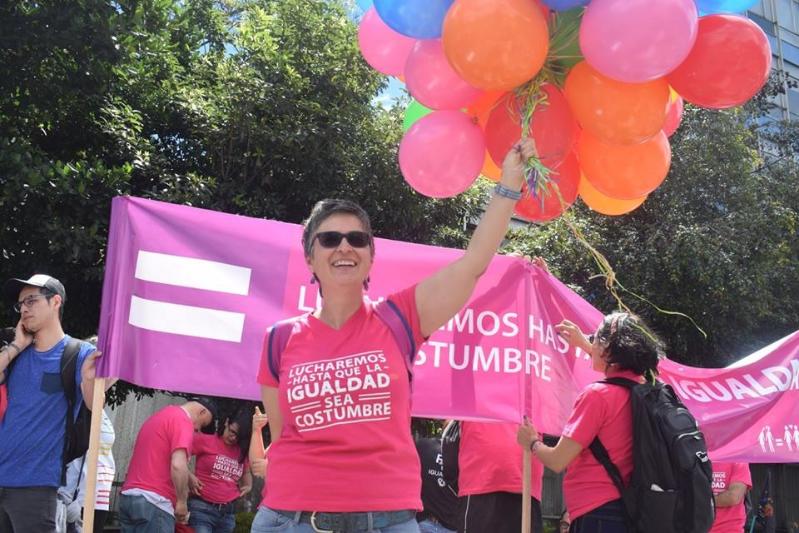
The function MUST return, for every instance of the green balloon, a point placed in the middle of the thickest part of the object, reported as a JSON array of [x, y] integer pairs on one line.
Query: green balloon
[[414, 112]]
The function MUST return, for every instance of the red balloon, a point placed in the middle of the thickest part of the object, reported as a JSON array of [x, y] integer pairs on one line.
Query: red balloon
[[673, 116], [567, 178], [553, 127], [729, 63]]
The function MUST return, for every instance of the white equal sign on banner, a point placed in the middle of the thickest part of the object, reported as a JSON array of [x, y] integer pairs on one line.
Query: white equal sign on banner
[[189, 272]]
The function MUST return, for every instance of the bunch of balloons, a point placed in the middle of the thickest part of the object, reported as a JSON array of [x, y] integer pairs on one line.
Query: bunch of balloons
[[599, 85]]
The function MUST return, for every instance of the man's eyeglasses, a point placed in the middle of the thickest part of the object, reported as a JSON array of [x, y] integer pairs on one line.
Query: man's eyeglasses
[[564, 526], [29, 301], [331, 239]]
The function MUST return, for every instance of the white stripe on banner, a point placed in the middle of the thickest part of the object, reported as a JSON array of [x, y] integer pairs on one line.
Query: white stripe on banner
[[186, 320], [193, 273]]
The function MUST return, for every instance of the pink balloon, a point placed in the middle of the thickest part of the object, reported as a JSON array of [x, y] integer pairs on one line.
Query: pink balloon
[[433, 82], [442, 154], [638, 40], [673, 116], [383, 48]]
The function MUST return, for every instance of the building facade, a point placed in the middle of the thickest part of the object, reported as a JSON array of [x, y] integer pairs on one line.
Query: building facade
[[780, 20]]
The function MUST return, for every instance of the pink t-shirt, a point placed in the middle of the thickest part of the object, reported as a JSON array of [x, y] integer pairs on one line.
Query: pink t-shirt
[[218, 468], [725, 474], [346, 402], [600, 410], [150, 467], [490, 460]]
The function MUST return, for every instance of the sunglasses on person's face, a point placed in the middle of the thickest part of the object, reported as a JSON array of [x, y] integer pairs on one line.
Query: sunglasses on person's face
[[331, 239]]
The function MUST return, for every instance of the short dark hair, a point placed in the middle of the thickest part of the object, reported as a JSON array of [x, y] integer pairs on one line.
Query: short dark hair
[[327, 208], [631, 345]]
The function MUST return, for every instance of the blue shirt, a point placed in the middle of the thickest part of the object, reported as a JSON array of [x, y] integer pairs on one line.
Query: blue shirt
[[32, 430]]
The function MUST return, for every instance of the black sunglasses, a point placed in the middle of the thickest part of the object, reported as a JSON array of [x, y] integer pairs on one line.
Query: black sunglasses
[[331, 239]]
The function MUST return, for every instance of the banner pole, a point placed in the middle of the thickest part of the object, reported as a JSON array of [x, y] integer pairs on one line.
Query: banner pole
[[526, 502], [527, 470], [98, 401]]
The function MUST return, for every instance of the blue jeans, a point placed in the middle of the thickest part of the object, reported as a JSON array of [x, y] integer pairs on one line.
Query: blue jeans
[[268, 521], [607, 518], [206, 518], [426, 526], [137, 515]]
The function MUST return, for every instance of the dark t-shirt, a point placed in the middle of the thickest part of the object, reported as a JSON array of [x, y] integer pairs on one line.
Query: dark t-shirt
[[439, 499]]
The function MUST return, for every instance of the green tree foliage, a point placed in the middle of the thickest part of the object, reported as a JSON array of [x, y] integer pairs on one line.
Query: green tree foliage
[[259, 108], [717, 241]]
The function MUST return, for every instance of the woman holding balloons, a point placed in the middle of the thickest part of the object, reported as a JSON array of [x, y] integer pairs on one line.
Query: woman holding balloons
[[342, 457]]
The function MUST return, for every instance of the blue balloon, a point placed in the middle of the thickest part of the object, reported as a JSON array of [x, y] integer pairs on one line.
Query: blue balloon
[[421, 19], [708, 7], [564, 5], [364, 5]]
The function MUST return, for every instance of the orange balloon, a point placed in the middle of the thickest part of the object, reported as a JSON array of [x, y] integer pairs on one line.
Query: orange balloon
[[496, 44], [625, 172], [614, 111], [605, 204], [490, 169]]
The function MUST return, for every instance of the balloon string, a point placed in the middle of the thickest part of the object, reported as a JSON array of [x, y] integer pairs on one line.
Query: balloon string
[[531, 97], [606, 271]]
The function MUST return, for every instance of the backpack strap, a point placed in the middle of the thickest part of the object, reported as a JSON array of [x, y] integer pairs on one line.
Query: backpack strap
[[69, 363], [602, 456], [279, 335], [386, 310], [391, 315], [598, 449]]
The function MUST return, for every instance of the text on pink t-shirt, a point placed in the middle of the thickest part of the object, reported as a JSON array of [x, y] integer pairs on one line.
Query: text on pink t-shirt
[[150, 466], [730, 518], [218, 468], [605, 411], [346, 402], [490, 460]]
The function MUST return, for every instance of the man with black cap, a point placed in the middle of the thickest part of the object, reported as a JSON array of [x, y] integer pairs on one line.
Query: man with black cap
[[156, 489], [32, 431]]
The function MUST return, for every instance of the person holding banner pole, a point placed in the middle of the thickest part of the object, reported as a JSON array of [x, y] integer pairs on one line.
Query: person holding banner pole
[[338, 396], [622, 346]]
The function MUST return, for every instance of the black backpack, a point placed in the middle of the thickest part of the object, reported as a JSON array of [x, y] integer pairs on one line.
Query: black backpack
[[76, 438], [670, 490]]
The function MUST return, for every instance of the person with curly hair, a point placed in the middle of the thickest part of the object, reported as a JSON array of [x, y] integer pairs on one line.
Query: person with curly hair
[[623, 346]]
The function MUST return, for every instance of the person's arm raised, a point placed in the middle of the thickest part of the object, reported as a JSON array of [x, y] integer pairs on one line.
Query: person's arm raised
[[443, 294], [257, 454]]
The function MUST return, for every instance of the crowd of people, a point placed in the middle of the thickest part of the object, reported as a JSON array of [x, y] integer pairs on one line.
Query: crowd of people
[[361, 471]]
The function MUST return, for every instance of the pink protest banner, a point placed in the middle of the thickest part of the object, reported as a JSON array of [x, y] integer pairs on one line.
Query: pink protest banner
[[189, 294]]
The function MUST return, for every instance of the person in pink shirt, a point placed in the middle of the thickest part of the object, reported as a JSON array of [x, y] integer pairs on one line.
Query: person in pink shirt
[[623, 346], [490, 479], [221, 475], [155, 493], [731, 481], [339, 403]]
